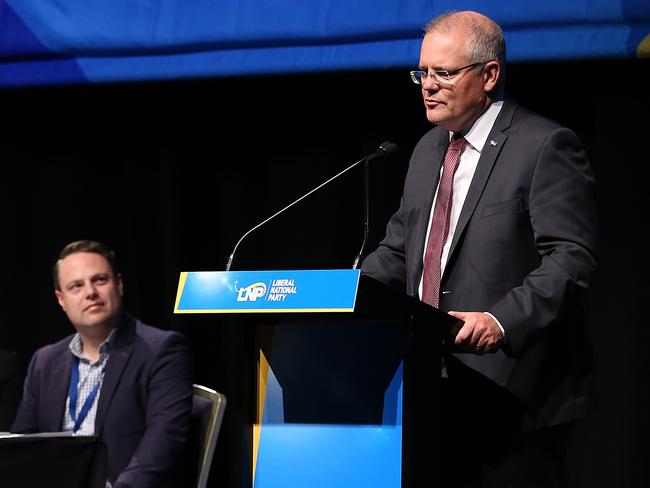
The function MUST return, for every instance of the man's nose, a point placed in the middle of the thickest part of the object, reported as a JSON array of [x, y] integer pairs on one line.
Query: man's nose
[[90, 289], [428, 84]]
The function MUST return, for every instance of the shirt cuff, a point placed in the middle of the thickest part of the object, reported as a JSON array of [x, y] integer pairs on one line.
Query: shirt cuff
[[503, 331]]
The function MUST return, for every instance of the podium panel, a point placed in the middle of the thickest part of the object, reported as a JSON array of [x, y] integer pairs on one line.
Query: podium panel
[[329, 403]]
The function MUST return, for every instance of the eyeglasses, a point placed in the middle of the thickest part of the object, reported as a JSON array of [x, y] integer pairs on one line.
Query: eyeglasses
[[439, 77]]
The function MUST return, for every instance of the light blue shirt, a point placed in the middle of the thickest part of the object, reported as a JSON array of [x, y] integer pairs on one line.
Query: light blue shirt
[[89, 375]]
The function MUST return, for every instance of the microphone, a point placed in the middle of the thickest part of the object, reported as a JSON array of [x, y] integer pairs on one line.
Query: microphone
[[383, 149], [388, 148]]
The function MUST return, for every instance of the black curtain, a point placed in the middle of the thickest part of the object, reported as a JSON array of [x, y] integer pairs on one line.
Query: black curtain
[[172, 174]]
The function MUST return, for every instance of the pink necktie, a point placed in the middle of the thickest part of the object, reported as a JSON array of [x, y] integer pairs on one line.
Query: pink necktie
[[440, 222]]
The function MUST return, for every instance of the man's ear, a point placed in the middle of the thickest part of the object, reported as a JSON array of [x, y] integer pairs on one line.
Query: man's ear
[[59, 298], [491, 75], [120, 284]]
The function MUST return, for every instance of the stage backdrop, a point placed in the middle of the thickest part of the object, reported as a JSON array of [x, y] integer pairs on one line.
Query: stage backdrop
[[77, 41], [172, 174]]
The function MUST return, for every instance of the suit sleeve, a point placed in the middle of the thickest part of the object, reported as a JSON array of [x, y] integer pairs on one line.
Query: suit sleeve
[[168, 411], [563, 216], [387, 263], [26, 421]]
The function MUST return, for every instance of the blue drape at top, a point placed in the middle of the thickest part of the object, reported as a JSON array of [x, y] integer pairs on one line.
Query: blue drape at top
[[72, 41]]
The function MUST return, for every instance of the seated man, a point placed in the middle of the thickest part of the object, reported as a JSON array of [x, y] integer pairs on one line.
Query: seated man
[[126, 382]]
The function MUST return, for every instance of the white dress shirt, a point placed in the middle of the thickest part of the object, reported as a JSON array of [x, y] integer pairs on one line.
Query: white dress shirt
[[476, 138]]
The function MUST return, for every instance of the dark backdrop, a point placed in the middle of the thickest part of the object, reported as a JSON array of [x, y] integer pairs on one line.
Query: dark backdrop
[[172, 174]]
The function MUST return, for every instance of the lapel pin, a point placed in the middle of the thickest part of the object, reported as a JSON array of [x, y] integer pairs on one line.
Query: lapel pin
[[493, 142]]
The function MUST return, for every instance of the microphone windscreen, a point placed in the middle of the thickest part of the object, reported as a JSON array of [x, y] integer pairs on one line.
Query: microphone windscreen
[[388, 147]]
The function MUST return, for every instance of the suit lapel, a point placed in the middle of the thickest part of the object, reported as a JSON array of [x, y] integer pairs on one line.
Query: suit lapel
[[120, 353], [54, 410], [489, 155]]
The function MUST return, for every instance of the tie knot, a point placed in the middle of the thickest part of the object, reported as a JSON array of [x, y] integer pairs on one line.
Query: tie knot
[[457, 141]]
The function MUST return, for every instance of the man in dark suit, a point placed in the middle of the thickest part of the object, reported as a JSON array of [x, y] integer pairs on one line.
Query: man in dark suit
[[116, 378], [497, 226]]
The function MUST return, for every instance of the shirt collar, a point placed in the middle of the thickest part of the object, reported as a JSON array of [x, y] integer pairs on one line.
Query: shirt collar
[[76, 346], [480, 129]]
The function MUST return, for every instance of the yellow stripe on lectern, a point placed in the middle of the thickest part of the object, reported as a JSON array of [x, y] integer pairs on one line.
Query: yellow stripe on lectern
[[262, 381], [264, 310], [179, 292], [643, 49]]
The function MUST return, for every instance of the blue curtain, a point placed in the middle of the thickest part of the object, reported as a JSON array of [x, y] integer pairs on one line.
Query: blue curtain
[[72, 41]]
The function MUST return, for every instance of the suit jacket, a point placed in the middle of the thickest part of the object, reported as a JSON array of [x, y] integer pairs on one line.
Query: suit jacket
[[524, 250], [143, 414]]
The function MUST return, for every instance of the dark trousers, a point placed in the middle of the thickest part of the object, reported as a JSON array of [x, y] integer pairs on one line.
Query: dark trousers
[[483, 446]]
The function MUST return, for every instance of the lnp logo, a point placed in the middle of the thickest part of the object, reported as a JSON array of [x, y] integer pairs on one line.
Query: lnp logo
[[250, 293]]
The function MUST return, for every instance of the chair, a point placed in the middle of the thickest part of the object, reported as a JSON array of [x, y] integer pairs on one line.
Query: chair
[[207, 413]]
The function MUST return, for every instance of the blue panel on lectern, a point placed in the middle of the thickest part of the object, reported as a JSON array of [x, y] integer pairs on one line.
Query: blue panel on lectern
[[332, 290], [393, 399], [326, 456], [273, 401]]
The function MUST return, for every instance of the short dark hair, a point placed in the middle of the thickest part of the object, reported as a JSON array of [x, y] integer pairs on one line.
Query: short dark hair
[[485, 41], [85, 246]]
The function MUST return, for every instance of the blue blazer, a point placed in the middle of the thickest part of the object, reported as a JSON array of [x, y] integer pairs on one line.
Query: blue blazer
[[143, 414]]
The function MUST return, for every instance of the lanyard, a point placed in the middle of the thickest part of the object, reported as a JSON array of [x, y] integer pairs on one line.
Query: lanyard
[[73, 393]]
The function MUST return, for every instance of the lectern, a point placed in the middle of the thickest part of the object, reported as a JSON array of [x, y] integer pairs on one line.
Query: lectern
[[346, 376]]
